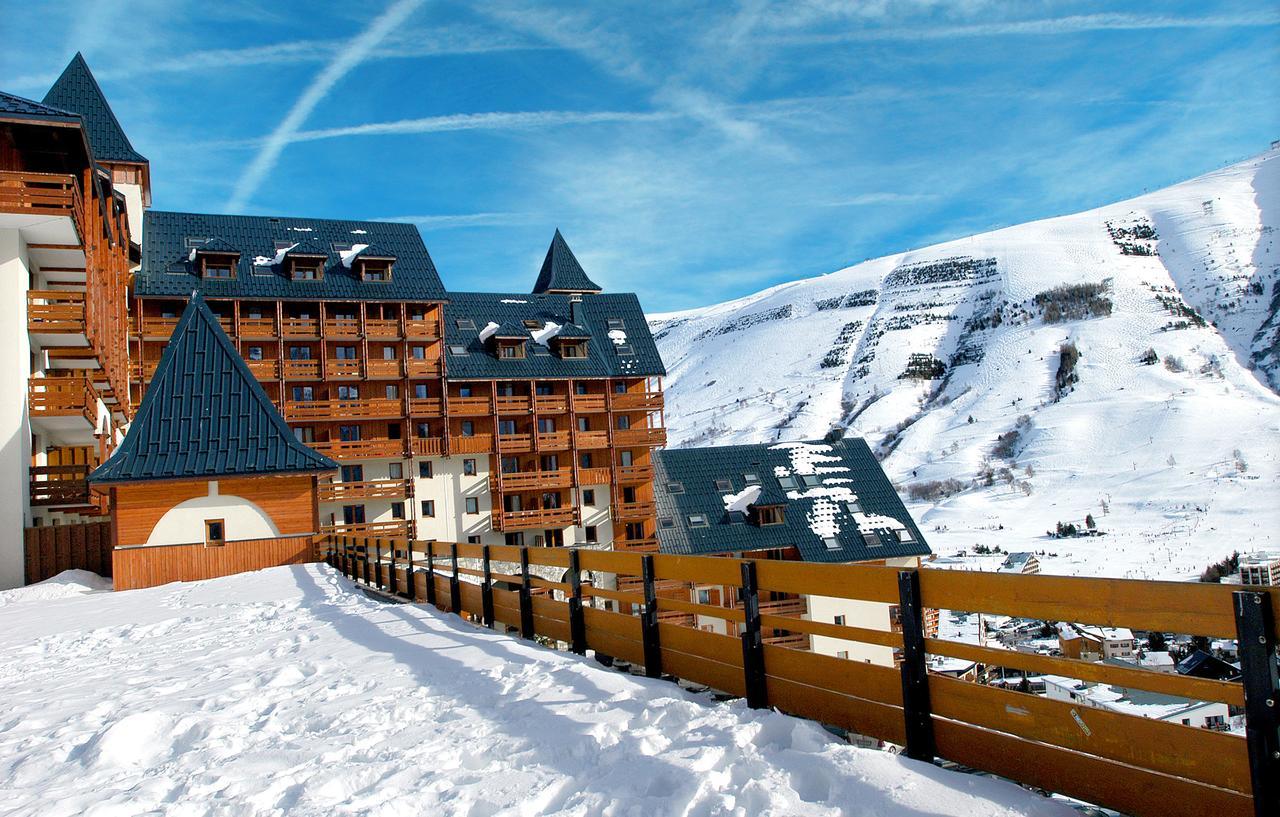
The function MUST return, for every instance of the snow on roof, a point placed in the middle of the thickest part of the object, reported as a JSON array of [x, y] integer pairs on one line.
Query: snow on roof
[[806, 457], [349, 256], [617, 336], [488, 330], [739, 502], [544, 335], [1159, 658], [1129, 701]]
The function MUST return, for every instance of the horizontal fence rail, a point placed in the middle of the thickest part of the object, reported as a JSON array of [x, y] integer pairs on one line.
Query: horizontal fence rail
[[614, 604]]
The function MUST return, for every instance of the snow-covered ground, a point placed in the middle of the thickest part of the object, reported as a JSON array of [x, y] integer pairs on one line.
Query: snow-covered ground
[[288, 691], [1178, 462]]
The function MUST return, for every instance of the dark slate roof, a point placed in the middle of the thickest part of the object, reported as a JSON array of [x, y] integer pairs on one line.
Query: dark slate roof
[[12, 106], [593, 312], [374, 251], [510, 329], [204, 416], [571, 331], [1201, 664], [561, 270], [850, 465], [167, 269], [217, 246], [77, 90], [309, 246]]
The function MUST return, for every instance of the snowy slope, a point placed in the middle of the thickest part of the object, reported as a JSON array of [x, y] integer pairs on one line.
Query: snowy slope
[[1149, 451], [288, 691]]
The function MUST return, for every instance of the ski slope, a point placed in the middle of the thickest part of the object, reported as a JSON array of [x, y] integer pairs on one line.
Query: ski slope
[[1177, 462], [288, 691]]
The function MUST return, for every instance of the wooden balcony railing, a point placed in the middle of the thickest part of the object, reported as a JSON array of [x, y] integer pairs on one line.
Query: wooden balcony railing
[[422, 330], [339, 328], [145, 370], [427, 446], [426, 407], [634, 473], [515, 443], [157, 327], [647, 545], [469, 406], [638, 401], [553, 441], [47, 194], [300, 327], [63, 397], [594, 476], [634, 510], [301, 370], [589, 402], [60, 484], [342, 368], [540, 518], [262, 369], [479, 444], [532, 480], [591, 439], [421, 367], [257, 328], [360, 449], [375, 367], [399, 527], [380, 328], [370, 489], [54, 312], [641, 436], [551, 403], [515, 404], [342, 409]]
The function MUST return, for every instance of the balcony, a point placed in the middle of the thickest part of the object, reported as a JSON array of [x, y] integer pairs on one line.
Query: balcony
[[51, 312], [515, 404], [469, 406], [591, 439], [631, 474], [429, 407], [647, 545], [341, 328], [371, 489], [145, 370], [515, 443], [641, 436], [638, 401], [301, 370], [480, 444], [542, 518], [300, 327], [42, 194], [586, 403], [257, 328], [342, 409], [594, 477], [382, 368], [380, 328], [262, 369], [551, 403], [420, 367], [161, 328], [427, 446], [396, 529], [532, 480], [349, 369], [360, 449], [63, 397], [553, 441], [422, 330], [634, 510], [60, 485]]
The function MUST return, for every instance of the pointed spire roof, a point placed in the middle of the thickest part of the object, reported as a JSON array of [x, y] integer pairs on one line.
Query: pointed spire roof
[[204, 416], [561, 271], [76, 90]]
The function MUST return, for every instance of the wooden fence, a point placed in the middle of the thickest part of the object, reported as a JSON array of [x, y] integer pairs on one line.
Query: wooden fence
[[150, 565], [51, 549], [1135, 765]]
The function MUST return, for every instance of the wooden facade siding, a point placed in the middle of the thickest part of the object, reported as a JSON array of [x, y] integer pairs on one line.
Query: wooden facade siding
[[288, 500], [148, 566], [51, 549]]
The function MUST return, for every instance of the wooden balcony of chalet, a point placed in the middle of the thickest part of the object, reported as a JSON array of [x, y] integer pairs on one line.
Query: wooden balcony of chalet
[[300, 327], [634, 510], [551, 403], [257, 328], [634, 474], [369, 489], [638, 401], [42, 194], [365, 409], [422, 329], [429, 407], [420, 367], [554, 441], [594, 476], [342, 369], [515, 443], [382, 369], [646, 545], [589, 403], [399, 528], [156, 328], [513, 404], [504, 521], [63, 397], [262, 369], [53, 485], [427, 446], [640, 436], [532, 480], [383, 329], [342, 328], [469, 406], [54, 312], [478, 444], [301, 369], [591, 439], [360, 449]]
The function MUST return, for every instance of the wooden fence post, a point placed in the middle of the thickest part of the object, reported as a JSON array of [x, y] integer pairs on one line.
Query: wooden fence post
[[916, 710], [577, 623], [649, 620], [431, 573], [526, 596], [752, 640], [348, 559], [455, 585], [1256, 642], [486, 591]]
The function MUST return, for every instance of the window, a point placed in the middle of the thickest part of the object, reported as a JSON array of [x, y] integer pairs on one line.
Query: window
[[580, 388], [393, 431], [811, 480], [465, 323], [255, 353], [546, 425], [584, 424], [904, 535], [353, 514], [506, 427], [624, 350], [349, 434], [425, 469], [787, 482], [771, 515], [737, 517], [299, 352], [624, 422], [853, 507], [511, 503], [420, 391], [593, 534], [831, 542], [589, 496], [505, 390], [469, 467], [304, 434], [455, 349], [724, 485], [418, 352], [675, 487], [473, 540], [219, 269], [397, 510], [348, 392], [303, 393], [215, 533], [510, 465], [704, 596], [515, 539], [871, 538], [839, 621], [751, 479], [423, 430], [616, 323], [473, 504], [345, 352], [697, 520], [626, 459], [353, 473], [308, 269], [573, 349], [584, 460], [468, 428], [395, 470], [393, 391], [619, 388], [842, 653], [375, 270], [511, 351], [388, 353], [666, 522]]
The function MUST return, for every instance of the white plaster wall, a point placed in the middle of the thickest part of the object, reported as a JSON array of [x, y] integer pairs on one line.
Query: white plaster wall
[[450, 487], [184, 523], [872, 615], [375, 510], [133, 208], [15, 428], [598, 515]]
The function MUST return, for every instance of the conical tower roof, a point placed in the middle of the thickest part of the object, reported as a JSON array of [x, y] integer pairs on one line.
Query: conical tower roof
[[561, 271], [77, 91]]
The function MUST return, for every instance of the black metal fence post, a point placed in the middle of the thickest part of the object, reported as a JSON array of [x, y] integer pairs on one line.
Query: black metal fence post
[[1256, 643], [753, 640], [431, 572], [915, 672], [365, 550], [526, 596], [377, 563], [486, 591], [577, 622], [347, 569], [649, 620], [455, 584], [392, 581]]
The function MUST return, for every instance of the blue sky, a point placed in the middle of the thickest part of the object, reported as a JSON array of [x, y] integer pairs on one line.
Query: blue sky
[[689, 152]]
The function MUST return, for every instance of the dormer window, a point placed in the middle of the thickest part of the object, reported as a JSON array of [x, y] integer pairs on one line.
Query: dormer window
[[220, 268], [375, 269], [765, 515], [216, 259], [574, 350], [510, 349], [307, 268]]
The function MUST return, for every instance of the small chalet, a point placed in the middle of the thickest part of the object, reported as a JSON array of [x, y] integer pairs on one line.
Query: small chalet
[[209, 480], [1024, 562]]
